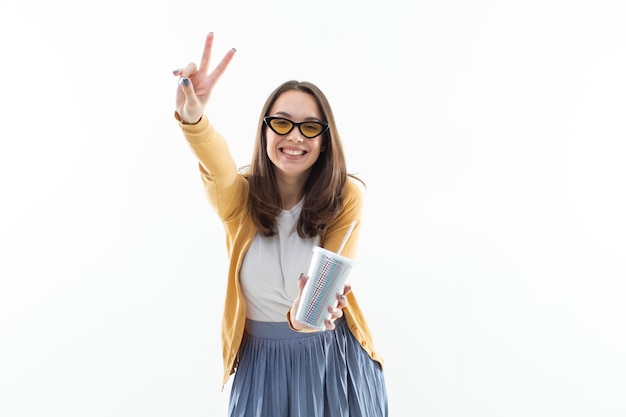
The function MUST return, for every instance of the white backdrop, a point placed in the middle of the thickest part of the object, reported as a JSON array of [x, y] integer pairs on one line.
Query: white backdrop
[[491, 135]]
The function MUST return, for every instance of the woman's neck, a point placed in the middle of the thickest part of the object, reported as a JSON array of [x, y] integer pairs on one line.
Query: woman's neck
[[291, 191]]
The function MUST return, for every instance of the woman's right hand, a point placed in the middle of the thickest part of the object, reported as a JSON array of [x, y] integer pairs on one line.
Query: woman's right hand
[[335, 312], [195, 84]]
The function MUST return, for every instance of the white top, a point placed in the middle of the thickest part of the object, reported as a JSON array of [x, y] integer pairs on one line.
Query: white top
[[272, 266]]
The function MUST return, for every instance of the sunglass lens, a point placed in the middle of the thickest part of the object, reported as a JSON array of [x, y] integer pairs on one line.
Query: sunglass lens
[[311, 129], [281, 126]]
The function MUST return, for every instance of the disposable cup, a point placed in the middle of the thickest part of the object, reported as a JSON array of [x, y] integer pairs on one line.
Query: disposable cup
[[328, 273]]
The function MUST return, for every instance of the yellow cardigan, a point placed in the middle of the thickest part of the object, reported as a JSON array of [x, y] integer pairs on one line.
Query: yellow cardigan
[[227, 191]]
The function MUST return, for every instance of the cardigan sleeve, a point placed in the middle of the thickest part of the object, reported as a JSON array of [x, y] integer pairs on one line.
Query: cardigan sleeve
[[225, 188], [351, 211]]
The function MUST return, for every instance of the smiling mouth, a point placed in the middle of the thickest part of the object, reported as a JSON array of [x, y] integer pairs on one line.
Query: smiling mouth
[[293, 152]]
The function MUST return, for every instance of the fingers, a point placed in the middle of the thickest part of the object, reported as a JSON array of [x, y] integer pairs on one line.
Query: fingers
[[346, 289], [296, 303], [191, 111], [189, 70], [221, 67], [186, 72], [206, 59], [201, 75], [187, 87], [342, 301], [302, 282], [337, 312], [329, 324], [206, 53]]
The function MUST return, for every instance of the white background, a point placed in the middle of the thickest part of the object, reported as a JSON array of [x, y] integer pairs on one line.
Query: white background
[[491, 135]]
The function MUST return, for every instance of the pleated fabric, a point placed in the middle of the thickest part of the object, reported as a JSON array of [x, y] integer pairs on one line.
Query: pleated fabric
[[283, 373]]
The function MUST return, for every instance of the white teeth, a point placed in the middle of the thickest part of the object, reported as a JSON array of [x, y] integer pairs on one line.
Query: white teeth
[[293, 152]]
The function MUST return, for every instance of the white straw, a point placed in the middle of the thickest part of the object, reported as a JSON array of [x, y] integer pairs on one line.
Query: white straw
[[345, 238]]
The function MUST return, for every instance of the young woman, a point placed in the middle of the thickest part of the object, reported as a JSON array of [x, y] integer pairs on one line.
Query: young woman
[[295, 194]]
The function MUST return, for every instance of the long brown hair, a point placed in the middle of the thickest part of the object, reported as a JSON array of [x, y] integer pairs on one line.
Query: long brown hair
[[324, 187]]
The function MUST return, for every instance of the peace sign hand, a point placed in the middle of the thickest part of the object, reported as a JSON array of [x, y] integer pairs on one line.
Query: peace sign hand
[[195, 84]]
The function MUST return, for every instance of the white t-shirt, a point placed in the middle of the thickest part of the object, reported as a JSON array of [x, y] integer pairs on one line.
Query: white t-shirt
[[272, 266]]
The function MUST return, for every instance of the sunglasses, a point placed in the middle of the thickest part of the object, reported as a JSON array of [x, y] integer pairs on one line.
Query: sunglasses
[[282, 126]]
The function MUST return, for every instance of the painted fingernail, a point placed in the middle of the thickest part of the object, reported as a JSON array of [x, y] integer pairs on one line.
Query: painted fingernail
[[176, 71], [301, 275], [186, 82]]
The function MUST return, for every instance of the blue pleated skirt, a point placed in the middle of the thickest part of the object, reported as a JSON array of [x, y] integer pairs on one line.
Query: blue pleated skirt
[[283, 373]]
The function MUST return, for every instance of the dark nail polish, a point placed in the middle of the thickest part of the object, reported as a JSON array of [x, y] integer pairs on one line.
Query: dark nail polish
[[186, 82]]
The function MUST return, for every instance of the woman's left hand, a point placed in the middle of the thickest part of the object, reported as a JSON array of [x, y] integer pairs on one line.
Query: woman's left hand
[[335, 312]]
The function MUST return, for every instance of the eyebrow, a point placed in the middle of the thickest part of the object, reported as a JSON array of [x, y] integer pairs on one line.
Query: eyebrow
[[287, 115]]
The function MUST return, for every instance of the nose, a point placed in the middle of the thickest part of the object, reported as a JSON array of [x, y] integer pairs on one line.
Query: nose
[[295, 135]]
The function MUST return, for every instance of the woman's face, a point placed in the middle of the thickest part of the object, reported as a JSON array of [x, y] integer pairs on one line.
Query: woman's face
[[293, 154]]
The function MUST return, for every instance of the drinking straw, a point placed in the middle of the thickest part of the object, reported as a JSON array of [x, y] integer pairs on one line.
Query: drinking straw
[[345, 238]]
